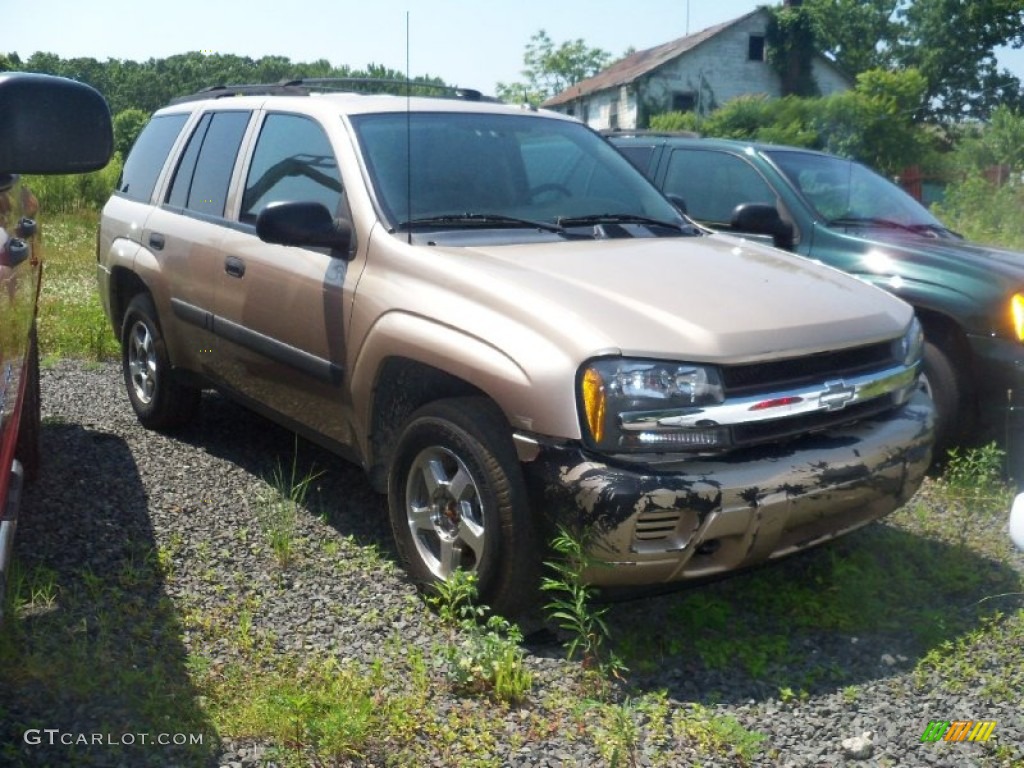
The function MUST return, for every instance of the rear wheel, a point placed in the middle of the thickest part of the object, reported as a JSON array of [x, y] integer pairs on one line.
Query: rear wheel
[[457, 500], [159, 400]]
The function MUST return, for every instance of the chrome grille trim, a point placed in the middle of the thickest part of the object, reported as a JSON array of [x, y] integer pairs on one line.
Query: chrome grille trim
[[828, 396]]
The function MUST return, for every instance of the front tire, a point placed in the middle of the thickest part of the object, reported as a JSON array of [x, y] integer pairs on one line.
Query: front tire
[[158, 399], [457, 500], [939, 380]]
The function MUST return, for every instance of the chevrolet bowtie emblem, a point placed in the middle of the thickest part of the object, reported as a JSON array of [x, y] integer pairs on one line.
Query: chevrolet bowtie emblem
[[836, 396]]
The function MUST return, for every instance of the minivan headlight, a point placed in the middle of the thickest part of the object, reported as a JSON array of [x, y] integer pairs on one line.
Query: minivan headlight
[[621, 401]]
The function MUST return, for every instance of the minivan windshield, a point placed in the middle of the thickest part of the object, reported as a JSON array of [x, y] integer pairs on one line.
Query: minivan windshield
[[494, 170], [845, 193]]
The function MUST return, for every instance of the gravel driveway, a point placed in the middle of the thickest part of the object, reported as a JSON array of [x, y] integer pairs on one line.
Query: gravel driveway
[[112, 494]]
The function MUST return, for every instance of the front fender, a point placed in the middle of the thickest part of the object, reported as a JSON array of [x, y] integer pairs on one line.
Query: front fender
[[536, 400]]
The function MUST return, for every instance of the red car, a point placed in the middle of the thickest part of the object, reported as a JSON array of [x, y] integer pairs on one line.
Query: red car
[[48, 125]]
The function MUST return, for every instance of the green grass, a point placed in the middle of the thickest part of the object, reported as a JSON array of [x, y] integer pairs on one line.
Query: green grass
[[71, 319], [931, 573], [934, 573]]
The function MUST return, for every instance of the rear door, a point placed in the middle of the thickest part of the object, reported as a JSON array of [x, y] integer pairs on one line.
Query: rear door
[[184, 232]]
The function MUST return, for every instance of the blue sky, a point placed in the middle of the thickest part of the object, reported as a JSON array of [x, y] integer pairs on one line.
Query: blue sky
[[473, 44]]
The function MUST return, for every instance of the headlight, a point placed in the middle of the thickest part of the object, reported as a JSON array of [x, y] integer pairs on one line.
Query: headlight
[[622, 402], [1017, 314], [912, 344]]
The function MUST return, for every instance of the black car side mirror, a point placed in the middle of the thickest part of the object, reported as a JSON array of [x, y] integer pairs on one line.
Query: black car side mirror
[[52, 125], [303, 224], [762, 219]]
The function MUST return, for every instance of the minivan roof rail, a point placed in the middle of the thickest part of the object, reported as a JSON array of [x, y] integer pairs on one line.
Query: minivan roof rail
[[304, 86]]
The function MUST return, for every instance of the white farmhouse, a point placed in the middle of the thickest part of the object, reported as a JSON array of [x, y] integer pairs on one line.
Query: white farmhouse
[[698, 72]]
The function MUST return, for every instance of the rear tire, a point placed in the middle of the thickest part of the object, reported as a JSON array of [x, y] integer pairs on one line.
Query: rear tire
[[158, 399], [457, 499]]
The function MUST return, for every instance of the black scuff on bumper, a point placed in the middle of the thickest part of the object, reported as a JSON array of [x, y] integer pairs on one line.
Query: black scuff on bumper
[[694, 518]]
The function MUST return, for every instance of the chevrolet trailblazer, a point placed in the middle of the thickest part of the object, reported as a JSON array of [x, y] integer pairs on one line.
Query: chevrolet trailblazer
[[498, 317]]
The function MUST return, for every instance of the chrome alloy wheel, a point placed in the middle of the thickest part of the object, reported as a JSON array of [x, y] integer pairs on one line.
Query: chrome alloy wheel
[[444, 513], [142, 363]]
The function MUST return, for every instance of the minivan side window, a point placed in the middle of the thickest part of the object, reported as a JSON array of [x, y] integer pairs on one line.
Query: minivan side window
[[204, 172], [293, 161], [148, 155], [713, 183]]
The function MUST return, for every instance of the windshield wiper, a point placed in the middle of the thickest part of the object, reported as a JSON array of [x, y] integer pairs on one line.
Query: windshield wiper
[[936, 229], [616, 218], [478, 220], [870, 221]]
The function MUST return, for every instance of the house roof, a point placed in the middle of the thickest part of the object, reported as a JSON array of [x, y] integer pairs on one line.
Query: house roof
[[640, 63]]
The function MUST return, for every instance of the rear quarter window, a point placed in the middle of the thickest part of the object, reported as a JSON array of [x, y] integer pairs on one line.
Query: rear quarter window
[[639, 155], [148, 156]]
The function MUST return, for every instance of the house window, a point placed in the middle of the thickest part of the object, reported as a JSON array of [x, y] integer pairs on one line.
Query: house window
[[755, 48], [684, 102], [613, 115]]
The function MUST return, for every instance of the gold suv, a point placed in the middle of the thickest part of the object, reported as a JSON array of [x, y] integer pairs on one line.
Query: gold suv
[[498, 317]]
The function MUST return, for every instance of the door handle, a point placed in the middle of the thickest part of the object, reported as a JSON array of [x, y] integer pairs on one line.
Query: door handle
[[234, 266], [156, 241]]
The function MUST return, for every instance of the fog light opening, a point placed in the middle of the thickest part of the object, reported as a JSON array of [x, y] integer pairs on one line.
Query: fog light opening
[[708, 547]]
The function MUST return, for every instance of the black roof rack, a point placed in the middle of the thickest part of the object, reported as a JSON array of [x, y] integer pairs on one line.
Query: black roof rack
[[307, 85]]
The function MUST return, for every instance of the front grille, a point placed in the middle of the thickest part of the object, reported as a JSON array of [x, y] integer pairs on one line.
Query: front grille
[[779, 429], [779, 375]]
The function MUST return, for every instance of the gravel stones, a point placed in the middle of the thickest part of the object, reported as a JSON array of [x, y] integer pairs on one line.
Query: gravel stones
[[111, 494]]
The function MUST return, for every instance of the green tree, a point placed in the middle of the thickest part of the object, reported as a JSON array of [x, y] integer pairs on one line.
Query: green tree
[[790, 35], [872, 123], [857, 33], [951, 43], [128, 124], [550, 70]]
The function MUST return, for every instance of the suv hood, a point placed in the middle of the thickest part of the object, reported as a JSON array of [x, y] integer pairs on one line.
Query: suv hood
[[712, 298]]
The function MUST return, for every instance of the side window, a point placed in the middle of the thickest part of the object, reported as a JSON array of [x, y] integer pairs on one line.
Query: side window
[[204, 172], [148, 156], [292, 161], [714, 183]]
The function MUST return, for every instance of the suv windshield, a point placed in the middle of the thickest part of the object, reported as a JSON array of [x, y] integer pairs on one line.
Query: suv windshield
[[488, 170], [846, 193]]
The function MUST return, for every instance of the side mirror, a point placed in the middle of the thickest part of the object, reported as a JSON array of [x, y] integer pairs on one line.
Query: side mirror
[[678, 202], [52, 125], [762, 219], [303, 224]]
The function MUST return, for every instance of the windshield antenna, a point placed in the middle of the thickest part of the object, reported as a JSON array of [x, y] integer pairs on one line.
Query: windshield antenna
[[408, 132]]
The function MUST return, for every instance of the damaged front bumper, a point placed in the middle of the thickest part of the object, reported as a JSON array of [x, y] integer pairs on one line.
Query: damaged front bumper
[[667, 519]]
